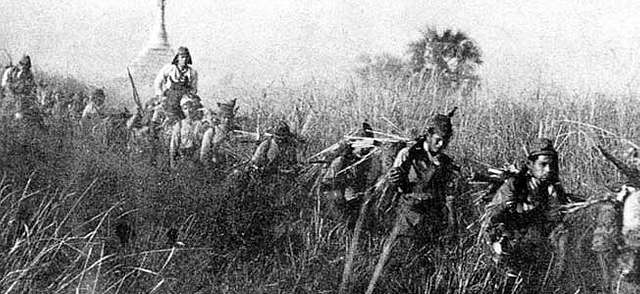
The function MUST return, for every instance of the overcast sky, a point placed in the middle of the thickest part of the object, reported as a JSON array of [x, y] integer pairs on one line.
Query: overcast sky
[[576, 44]]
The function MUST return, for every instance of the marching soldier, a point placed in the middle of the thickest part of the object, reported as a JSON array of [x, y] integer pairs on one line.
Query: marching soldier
[[217, 134], [278, 152], [187, 134], [175, 80], [523, 221], [19, 83], [93, 109], [344, 183], [424, 176], [616, 238], [146, 125]]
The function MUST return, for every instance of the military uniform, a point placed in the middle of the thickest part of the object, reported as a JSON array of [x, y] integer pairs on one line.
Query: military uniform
[[215, 136], [174, 82], [187, 134], [521, 218], [147, 129], [20, 86], [277, 153], [427, 185], [425, 178], [616, 240], [523, 224], [345, 187]]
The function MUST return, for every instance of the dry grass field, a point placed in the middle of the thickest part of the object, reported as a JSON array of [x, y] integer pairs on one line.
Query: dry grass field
[[67, 200]]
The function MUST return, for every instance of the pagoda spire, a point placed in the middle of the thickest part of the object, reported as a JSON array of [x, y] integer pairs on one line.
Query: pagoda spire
[[156, 53], [158, 38]]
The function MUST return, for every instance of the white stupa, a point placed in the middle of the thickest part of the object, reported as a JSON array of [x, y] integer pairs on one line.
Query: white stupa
[[153, 56]]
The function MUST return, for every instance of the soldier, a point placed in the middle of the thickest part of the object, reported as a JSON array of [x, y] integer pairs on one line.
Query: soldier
[[523, 221], [187, 134], [19, 83], [146, 125], [278, 152], [93, 109], [76, 106], [215, 136], [423, 175], [176, 79], [345, 186], [616, 238]]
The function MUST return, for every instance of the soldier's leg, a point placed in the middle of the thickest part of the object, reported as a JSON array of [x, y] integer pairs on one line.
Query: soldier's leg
[[405, 217], [626, 278], [559, 243]]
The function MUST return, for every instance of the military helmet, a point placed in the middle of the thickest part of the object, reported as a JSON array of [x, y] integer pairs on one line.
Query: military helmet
[[227, 109], [441, 124], [282, 129], [365, 131], [25, 61], [98, 95], [541, 146], [182, 51]]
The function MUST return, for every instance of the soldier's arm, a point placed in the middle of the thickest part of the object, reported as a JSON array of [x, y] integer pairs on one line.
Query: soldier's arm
[[5, 78], [194, 81], [259, 157], [450, 199], [398, 174], [502, 202], [330, 176], [158, 83], [134, 120]]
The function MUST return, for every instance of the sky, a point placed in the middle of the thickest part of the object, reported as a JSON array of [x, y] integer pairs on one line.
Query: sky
[[583, 45]]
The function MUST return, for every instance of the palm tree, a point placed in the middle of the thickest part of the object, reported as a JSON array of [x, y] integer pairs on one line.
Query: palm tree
[[451, 56]]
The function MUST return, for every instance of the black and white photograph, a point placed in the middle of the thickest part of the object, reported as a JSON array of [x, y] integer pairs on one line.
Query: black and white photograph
[[319, 146]]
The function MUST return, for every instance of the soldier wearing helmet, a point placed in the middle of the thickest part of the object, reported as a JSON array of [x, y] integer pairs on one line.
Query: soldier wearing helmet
[[18, 82], [176, 79], [221, 123], [93, 109], [187, 134], [424, 176], [616, 238], [523, 222], [278, 152], [349, 175]]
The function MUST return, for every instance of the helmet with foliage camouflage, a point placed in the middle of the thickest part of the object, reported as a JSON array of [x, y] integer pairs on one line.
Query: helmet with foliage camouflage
[[227, 109], [282, 129], [441, 124]]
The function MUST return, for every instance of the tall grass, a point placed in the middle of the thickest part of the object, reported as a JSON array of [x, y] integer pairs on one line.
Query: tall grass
[[63, 198]]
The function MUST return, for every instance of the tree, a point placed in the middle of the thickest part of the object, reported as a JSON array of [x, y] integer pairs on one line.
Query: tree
[[451, 57]]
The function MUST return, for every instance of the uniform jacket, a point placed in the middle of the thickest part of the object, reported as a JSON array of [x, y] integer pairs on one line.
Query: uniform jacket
[[522, 202], [170, 74]]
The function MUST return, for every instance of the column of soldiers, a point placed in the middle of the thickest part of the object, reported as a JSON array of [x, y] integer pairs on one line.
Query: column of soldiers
[[522, 225]]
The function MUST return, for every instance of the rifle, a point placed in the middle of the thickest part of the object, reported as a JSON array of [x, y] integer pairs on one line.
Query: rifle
[[136, 97], [631, 173]]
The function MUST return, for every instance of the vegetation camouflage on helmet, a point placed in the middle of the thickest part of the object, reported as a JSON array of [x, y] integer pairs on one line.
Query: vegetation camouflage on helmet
[[25, 61], [282, 129], [365, 131], [227, 109], [441, 123]]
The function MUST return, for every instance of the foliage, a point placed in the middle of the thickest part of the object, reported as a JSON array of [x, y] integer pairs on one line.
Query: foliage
[[275, 237]]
